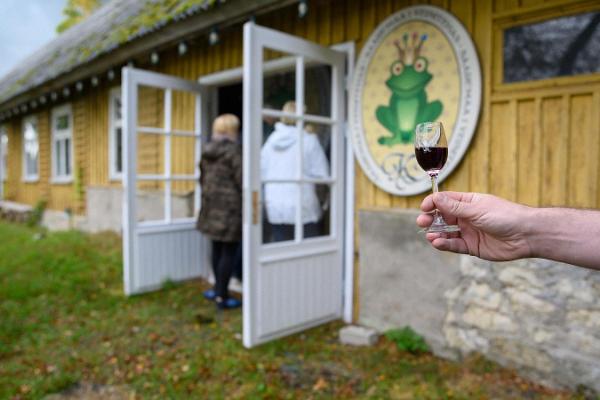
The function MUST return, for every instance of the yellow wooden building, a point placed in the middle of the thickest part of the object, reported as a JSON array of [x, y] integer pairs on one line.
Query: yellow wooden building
[[559, 114], [537, 139]]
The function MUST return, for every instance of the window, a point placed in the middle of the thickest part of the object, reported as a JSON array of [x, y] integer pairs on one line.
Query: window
[[115, 130], [3, 153], [31, 149], [62, 144], [557, 47]]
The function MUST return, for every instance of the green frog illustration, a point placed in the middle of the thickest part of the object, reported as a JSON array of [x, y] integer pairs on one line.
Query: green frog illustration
[[408, 104]]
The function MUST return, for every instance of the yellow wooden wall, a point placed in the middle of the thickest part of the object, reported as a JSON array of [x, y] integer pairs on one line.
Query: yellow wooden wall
[[536, 142]]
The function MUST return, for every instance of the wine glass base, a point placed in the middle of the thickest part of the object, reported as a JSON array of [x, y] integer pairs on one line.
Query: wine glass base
[[441, 229]]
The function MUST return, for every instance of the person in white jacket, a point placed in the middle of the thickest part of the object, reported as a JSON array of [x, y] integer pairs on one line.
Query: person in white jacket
[[279, 161]]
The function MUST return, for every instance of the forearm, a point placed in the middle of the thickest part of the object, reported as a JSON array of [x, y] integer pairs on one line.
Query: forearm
[[567, 235]]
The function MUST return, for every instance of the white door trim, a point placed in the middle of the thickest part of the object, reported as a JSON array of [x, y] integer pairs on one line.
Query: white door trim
[[235, 75]]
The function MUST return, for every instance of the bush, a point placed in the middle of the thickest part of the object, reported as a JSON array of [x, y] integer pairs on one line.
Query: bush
[[407, 340], [35, 218]]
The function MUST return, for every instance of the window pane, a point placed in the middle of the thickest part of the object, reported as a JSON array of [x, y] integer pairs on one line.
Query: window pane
[[58, 158], [557, 47], [62, 122], [67, 166], [117, 107], [118, 151]]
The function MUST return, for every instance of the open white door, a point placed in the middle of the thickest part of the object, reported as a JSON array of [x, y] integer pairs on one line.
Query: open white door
[[161, 153], [293, 272]]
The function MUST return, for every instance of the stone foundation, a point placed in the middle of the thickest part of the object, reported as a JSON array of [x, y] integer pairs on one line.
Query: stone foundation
[[537, 316]]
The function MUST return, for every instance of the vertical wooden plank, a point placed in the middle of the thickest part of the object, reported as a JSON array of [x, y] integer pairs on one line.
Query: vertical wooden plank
[[529, 142], [478, 152], [312, 21], [583, 153], [383, 10], [555, 141], [325, 23], [352, 26], [338, 21], [463, 10], [503, 158]]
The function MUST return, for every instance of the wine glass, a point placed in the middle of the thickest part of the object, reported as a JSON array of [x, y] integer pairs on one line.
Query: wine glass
[[431, 149]]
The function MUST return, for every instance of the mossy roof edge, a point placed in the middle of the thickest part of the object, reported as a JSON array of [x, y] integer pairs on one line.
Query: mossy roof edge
[[111, 26]]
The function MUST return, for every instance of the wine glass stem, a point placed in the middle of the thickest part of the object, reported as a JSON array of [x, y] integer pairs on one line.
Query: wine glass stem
[[434, 183], [437, 217]]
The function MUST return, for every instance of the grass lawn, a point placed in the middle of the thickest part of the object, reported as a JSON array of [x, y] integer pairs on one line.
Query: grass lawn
[[64, 320]]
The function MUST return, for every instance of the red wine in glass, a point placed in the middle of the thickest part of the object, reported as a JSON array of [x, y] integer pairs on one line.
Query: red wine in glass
[[431, 150], [431, 159]]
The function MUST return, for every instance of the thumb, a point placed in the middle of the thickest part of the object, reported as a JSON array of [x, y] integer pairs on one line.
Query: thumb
[[448, 205]]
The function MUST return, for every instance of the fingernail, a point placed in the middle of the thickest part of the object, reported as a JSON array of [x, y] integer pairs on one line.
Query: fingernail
[[441, 198]]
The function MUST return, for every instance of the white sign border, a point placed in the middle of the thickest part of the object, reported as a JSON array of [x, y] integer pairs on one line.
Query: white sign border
[[469, 103]]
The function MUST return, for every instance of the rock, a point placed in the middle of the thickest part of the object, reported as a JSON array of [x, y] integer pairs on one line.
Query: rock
[[358, 335], [485, 319], [520, 277], [526, 302]]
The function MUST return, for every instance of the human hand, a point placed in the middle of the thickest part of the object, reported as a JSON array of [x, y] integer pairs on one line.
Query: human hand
[[490, 227]]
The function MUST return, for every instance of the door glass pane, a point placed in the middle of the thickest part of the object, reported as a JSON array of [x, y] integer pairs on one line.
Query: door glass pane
[[150, 107], [317, 88], [182, 110], [150, 154], [279, 211], [279, 82], [182, 199], [316, 210], [183, 155], [150, 201], [317, 151]]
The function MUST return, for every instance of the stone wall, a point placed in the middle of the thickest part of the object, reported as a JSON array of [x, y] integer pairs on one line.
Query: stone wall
[[104, 206], [540, 317]]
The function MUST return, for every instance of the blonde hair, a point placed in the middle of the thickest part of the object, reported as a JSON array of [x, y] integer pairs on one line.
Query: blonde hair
[[226, 125], [289, 107]]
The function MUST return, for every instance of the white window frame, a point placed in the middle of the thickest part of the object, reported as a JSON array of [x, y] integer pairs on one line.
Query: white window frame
[[61, 135], [27, 177], [3, 153], [113, 125]]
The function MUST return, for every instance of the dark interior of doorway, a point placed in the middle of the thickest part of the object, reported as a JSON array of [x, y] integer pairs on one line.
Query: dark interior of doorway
[[230, 100]]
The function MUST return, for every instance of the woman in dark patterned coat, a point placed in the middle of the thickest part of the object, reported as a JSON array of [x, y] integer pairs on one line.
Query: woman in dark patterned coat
[[220, 217]]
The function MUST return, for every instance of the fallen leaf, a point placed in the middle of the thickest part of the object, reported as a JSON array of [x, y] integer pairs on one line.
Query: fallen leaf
[[320, 384]]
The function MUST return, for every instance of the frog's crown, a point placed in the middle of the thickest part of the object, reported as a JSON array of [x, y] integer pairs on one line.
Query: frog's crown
[[409, 50]]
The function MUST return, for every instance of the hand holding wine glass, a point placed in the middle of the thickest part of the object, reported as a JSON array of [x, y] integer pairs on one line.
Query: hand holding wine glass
[[431, 150]]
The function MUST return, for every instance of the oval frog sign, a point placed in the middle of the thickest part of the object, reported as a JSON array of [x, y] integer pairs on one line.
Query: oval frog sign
[[419, 65]]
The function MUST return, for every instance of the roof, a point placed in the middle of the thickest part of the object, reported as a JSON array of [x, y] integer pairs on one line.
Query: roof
[[114, 24]]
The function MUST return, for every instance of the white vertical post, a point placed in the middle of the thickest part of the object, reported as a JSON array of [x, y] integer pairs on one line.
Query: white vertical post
[[299, 226], [130, 96], [253, 101], [167, 166]]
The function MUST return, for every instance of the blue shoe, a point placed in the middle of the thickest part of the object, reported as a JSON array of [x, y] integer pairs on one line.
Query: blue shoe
[[209, 294], [229, 304]]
